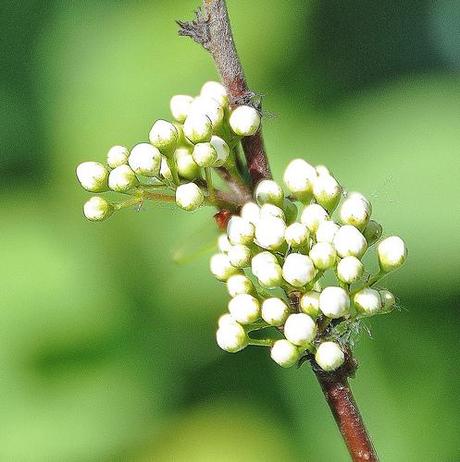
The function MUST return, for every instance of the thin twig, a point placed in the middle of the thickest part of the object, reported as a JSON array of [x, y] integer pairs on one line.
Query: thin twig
[[211, 28]]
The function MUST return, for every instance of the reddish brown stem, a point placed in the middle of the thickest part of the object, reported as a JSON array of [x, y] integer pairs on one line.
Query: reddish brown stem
[[211, 28], [343, 406]]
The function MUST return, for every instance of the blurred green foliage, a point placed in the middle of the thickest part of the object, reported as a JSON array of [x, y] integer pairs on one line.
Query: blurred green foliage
[[107, 347]]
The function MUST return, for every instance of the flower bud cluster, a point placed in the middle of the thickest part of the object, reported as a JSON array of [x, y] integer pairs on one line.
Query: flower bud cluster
[[178, 157], [279, 256]]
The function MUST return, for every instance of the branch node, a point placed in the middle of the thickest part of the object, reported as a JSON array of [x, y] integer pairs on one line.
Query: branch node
[[197, 29]]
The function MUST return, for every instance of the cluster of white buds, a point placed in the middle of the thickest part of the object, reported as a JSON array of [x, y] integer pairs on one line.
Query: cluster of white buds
[[276, 256], [177, 161]]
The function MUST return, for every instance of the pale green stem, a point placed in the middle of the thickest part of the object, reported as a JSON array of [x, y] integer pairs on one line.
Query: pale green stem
[[211, 190], [264, 342], [173, 168]]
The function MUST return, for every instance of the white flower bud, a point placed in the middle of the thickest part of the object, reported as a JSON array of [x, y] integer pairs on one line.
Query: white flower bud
[[239, 256], [309, 304], [300, 329], [274, 311], [372, 232], [327, 191], [334, 302], [189, 196], [367, 301], [323, 255], [388, 300], [164, 136], [209, 107], [122, 179], [92, 176], [221, 267], [297, 235], [313, 215], [165, 171], [250, 212], [262, 259], [240, 231], [392, 253], [329, 356], [239, 284], [244, 308], [186, 166], [349, 269], [270, 210], [145, 159], [326, 231], [180, 106], [231, 337], [244, 121], [216, 91], [270, 276], [204, 154], [225, 320], [284, 353], [97, 209], [269, 192], [222, 149], [270, 233], [198, 128], [298, 270], [322, 170], [348, 241], [117, 155], [223, 244], [298, 178], [355, 211]]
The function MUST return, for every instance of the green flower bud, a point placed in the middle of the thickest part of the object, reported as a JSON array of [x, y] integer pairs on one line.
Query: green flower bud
[[97, 209], [240, 231], [117, 155], [250, 212], [355, 210], [326, 231], [284, 353], [290, 210], [372, 232], [270, 210], [92, 176], [244, 121], [209, 107], [300, 329], [388, 300], [329, 356], [223, 243], [189, 196], [122, 179], [392, 253], [165, 171]]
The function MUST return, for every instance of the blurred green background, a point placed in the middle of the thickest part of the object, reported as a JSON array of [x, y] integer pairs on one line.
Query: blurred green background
[[107, 347]]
